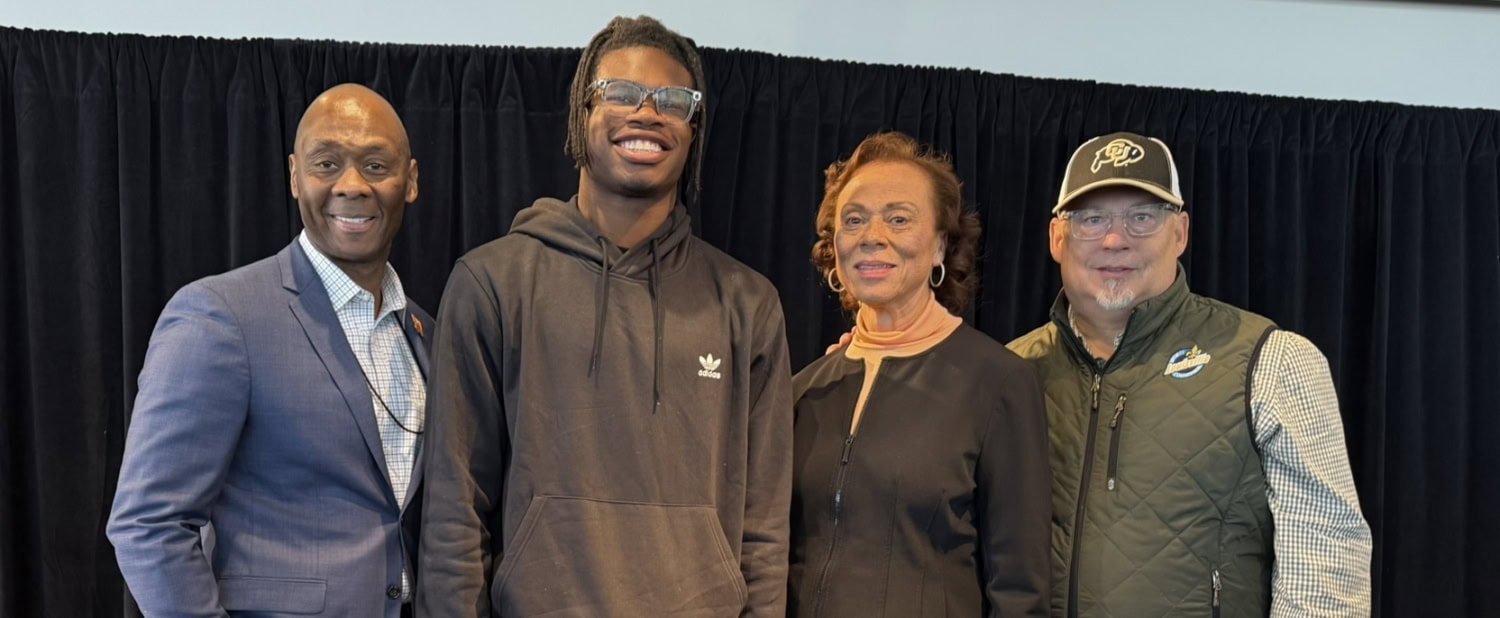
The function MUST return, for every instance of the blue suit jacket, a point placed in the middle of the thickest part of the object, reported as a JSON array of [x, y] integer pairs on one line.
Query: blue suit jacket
[[253, 416]]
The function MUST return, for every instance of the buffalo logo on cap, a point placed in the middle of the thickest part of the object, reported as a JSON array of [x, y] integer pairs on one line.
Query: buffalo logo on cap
[[1119, 152]]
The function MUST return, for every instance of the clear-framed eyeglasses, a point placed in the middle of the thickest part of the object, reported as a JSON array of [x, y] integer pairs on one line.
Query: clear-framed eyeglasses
[[1139, 221], [671, 101]]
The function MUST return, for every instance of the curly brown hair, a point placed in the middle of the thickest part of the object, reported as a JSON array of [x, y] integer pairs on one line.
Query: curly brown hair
[[958, 225], [643, 31]]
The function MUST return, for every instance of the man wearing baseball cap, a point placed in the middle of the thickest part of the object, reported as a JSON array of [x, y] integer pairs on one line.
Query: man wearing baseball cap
[[1198, 454]]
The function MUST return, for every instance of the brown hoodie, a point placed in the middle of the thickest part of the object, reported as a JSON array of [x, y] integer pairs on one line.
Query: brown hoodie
[[610, 432]]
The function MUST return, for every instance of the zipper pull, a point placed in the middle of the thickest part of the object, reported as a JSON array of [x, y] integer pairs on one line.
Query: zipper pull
[[848, 442], [1217, 587], [1094, 392], [1114, 442]]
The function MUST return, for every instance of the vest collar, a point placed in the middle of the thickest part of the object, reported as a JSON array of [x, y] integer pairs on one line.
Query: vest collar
[[1146, 321]]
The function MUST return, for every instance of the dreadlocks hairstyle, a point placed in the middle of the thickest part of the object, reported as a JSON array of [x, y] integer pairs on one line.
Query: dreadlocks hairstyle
[[959, 226], [643, 31]]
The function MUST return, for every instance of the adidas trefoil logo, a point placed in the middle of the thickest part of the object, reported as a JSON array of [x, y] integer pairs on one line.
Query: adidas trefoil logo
[[710, 367]]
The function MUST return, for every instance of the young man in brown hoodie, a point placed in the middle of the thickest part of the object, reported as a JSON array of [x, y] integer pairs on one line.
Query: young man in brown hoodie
[[610, 401]]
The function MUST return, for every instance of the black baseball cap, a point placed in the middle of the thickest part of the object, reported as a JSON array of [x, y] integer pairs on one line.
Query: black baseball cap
[[1121, 159]]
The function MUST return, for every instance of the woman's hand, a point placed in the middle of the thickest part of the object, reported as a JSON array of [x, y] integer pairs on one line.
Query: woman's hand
[[844, 340]]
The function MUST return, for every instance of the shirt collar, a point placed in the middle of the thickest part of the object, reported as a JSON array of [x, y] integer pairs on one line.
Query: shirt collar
[[341, 289]]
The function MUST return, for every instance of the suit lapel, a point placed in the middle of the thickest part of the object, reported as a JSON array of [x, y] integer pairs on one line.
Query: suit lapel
[[417, 330], [315, 313]]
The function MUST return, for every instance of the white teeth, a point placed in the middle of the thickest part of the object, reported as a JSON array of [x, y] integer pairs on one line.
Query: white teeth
[[641, 144], [354, 219]]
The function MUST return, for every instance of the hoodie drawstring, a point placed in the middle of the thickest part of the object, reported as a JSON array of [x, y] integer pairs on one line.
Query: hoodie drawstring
[[601, 298], [656, 317]]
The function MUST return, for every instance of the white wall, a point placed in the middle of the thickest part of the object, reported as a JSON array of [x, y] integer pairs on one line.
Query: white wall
[[1405, 51]]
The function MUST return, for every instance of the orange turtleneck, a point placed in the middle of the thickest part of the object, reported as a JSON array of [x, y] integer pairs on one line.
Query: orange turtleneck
[[933, 325]]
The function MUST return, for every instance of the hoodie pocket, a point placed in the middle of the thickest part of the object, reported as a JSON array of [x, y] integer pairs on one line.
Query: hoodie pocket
[[580, 556]]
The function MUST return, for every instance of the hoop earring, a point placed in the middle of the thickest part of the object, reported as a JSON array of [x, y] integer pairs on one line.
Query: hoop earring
[[837, 289], [942, 276]]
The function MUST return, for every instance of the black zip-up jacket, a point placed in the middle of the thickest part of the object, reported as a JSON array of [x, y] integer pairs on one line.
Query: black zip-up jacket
[[939, 504]]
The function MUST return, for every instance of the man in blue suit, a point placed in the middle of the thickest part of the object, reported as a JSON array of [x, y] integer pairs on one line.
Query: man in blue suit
[[275, 452]]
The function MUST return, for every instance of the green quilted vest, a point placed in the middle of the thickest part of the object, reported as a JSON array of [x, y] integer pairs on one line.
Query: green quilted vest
[[1159, 500]]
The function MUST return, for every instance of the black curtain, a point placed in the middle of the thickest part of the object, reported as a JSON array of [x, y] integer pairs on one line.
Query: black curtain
[[132, 165]]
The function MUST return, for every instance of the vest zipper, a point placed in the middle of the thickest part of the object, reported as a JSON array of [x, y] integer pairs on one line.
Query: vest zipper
[[1217, 588], [838, 509], [1114, 442], [1083, 495]]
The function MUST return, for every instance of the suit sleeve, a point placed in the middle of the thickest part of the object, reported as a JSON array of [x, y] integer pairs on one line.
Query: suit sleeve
[[768, 485], [468, 443], [193, 397], [1014, 497]]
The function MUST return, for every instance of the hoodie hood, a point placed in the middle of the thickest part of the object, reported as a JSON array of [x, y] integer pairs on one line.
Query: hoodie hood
[[561, 226]]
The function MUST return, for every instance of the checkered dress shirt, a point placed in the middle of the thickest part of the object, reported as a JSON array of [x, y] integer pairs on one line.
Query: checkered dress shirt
[[1323, 544], [397, 390]]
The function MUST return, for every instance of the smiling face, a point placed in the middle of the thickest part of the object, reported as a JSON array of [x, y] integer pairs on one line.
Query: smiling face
[[1119, 271], [637, 152], [352, 175], [886, 238]]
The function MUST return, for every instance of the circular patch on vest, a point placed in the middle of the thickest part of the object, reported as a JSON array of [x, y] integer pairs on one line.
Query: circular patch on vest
[[1187, 362]]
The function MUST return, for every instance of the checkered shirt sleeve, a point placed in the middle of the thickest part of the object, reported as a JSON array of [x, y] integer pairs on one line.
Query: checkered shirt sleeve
[[1322, 542]]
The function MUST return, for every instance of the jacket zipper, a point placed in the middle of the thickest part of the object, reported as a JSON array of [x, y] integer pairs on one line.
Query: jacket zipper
[[838, 509], [1114, 442], [1217, 588], [1083, 496]]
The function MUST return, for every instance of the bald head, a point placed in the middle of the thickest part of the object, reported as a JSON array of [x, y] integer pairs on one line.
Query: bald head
[[352, 111], [352, 175]]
